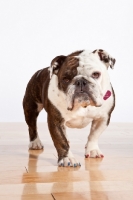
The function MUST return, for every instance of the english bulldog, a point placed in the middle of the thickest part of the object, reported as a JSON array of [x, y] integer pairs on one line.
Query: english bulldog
[[74, 91]]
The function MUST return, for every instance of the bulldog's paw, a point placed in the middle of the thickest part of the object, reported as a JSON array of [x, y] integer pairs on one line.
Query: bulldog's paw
[[69, 161], [93, 151], [36, 144], [94, 154]]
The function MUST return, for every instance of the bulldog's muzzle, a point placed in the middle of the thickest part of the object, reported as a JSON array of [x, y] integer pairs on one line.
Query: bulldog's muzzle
[[83, 93]]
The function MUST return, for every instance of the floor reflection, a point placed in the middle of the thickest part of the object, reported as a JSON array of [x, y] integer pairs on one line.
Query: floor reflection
[[29, 190], [65, 185], [92, 165], [92, 186], [33, 159]]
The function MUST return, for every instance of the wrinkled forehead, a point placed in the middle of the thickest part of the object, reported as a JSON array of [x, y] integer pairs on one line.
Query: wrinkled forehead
[[88, 63], [83, 64]]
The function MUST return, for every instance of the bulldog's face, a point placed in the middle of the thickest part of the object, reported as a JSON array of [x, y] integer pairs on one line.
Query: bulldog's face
[[80, 76]]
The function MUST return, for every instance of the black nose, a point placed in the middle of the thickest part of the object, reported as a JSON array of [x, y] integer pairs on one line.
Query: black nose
[[81, 83]]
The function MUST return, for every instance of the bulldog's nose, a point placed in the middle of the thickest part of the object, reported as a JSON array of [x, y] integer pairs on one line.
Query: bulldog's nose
[[81, 83]]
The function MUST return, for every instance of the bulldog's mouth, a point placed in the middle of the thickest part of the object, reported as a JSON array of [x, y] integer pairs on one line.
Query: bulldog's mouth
[[83, 99], [83, 93]]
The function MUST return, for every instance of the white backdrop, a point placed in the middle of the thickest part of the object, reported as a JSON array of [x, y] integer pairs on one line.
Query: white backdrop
[[33, 32]]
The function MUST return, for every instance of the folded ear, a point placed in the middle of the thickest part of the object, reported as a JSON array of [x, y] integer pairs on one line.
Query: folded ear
[[106, 58], [56, 64]]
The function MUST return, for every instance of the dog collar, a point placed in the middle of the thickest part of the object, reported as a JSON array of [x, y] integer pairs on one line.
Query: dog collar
[[107, 95]]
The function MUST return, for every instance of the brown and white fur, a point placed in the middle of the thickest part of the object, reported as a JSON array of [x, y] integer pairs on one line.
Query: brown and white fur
[[72, 91]]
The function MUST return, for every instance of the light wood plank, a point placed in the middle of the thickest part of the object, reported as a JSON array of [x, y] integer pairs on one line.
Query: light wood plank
[[94, 195], [27, 197], [62, 187], [66, 176]]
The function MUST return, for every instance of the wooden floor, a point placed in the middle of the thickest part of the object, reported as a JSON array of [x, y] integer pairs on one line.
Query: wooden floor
[[30, 175]]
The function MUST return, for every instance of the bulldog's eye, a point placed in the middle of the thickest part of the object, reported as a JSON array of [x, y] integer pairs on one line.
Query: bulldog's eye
[[66, 80], [96, 75]]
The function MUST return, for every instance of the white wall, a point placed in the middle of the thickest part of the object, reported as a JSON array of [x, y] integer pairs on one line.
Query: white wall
[[33, 32]]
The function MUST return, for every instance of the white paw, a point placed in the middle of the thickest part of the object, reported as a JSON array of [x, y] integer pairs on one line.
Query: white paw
[[69, 161], [92, 150], [36, 144]]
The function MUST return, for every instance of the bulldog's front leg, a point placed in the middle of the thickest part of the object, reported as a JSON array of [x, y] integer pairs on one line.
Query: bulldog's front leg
[[92, 149], [58, 134]]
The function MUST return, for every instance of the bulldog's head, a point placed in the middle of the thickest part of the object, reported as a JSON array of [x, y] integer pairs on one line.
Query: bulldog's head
[[81, 76]]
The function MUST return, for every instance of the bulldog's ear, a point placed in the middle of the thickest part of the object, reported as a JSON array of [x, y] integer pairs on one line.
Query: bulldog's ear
[[56, 64], [106, 58]]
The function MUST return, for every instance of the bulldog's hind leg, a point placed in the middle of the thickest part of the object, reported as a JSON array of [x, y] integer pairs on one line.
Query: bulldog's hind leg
[[31, 111], [92, 148]]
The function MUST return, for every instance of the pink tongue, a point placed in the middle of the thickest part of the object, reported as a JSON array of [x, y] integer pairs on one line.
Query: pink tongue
[[107, 95]]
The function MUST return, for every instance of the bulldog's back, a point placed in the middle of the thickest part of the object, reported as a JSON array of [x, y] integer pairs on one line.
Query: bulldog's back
[[37, 87]]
